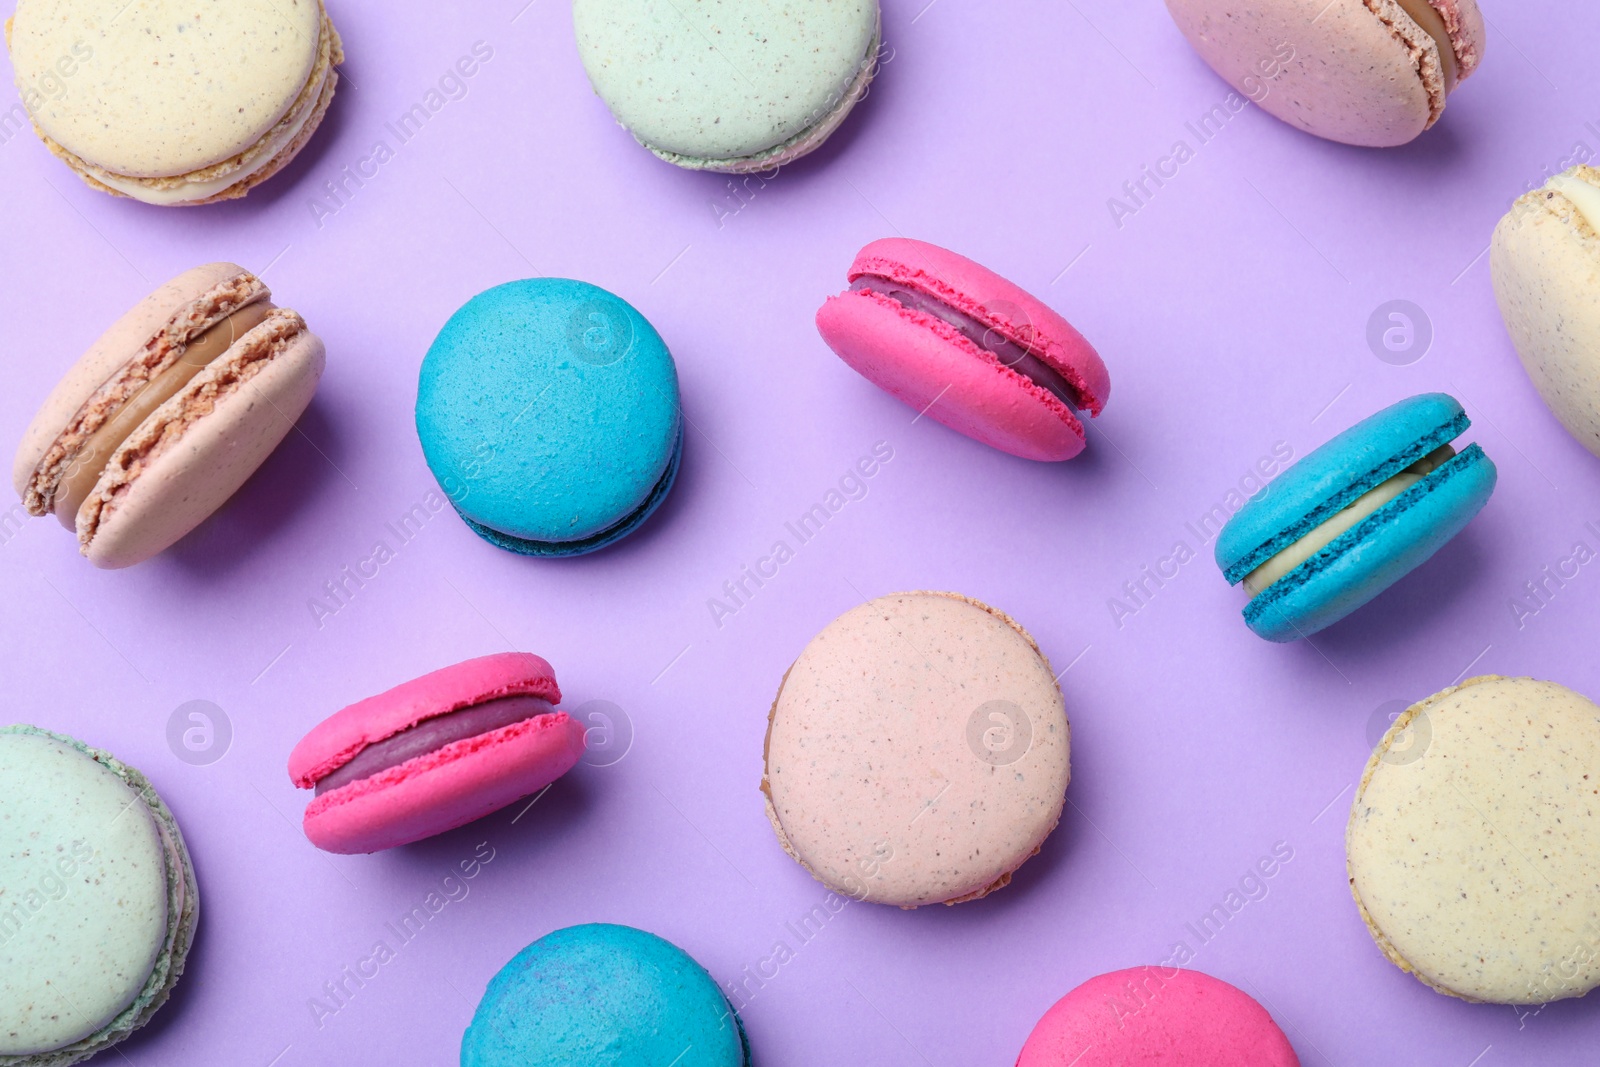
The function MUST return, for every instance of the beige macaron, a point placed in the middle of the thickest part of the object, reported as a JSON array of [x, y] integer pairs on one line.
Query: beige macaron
[[1474, 842], [917, 751], [1545, 261], [173, 102], [168, 414]]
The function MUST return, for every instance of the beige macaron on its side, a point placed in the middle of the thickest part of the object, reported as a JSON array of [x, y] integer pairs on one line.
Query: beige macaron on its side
[[1545, 262], [917, 752], [1473, 846], [168, 414], [111, 87]]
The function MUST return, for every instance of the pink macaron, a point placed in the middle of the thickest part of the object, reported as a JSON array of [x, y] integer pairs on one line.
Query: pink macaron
[[956, 341], [1156, 1015], [435, 753]]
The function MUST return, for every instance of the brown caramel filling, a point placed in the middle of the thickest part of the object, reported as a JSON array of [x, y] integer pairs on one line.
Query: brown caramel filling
[[1423, 13], [79, 479]]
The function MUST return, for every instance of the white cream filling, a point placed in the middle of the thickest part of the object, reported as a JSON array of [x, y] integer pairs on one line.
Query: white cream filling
[[191, 191], [1323, 535], [1584, 197]]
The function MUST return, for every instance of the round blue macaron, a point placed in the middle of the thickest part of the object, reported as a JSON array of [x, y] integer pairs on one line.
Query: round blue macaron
[[1378, 551], [603, 996], [548, 410]]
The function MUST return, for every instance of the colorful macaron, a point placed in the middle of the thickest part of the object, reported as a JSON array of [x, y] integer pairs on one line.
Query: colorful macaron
[[111, 86], [959, 343], [1474, 840], [548, 411], [1157, 1015], [434, 753], [98, 900], [168, 414], [1354, 516], [1364, 72], [1542, 260], [731, 87], [603, 996], [917, 751]]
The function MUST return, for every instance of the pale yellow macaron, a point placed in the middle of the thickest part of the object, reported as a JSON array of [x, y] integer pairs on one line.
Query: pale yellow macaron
[[1474, 842], [173, 102], [1545, 260]]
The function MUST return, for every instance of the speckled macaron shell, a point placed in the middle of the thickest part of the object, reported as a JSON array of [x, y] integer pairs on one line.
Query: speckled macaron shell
[[931, 367], [1474, 842], [603, 996], [1545, 262], [1157, 1015], [1362, 72], [728, 85], [917, 751], [548, 410], [110, 87], [99, 902]]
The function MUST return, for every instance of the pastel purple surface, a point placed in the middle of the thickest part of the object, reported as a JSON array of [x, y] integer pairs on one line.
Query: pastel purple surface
[[1234, 293]]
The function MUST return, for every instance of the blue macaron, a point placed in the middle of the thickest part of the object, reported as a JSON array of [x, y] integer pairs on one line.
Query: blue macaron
[[548, 410], [603, 996], [1354, 516]]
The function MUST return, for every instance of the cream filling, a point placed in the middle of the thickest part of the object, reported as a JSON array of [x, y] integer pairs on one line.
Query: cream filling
[[1423, 13], [191, 191], [1584, 197], [1363, 506], [83, 472]]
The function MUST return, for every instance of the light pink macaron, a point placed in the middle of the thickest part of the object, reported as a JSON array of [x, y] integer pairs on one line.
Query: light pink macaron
[[1157, 1015], [435, 753], [1363, 72], [168, 414], [956, 341]]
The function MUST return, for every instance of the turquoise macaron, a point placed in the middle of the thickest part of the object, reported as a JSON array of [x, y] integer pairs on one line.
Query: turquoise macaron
[[604, 996], [1354, 516], [548, 410]]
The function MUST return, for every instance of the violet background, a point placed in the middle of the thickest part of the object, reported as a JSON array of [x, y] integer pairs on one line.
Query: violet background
[[1232, 310]]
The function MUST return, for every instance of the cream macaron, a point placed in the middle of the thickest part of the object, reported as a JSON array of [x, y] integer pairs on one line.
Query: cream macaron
[[1474, 842], [917, 752], [168, 414], [174, 103], [1545, 262]]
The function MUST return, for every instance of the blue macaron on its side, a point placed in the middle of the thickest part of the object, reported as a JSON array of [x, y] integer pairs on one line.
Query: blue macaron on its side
[[603, 996], [548, 410], [1381, 548]]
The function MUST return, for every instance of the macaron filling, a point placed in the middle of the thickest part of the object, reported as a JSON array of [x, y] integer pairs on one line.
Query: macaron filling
[[1008, 352], [83, 471], [1584, 197], [1425, 15], [1364, 506], [431, 735]]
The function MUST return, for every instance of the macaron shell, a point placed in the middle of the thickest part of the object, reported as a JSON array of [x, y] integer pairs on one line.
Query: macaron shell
[[1472, 854], [878, 780], [975, 290], [447, 788], [603, 996], [1157, 1015], [337, 739], [1375, 554], [108, 355], [769, 80], [195, 473], [130, 105], [929, 366], [1545, 262], [1333, 475], [1358, 76]]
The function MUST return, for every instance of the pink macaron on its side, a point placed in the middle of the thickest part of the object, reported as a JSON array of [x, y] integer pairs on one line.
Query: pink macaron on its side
[[956, 341], [1157, 1015], [435, 753]]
